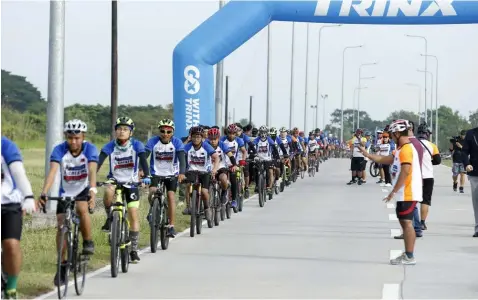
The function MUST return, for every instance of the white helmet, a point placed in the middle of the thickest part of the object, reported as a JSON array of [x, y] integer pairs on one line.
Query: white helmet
[[75, 125], [399, 126]]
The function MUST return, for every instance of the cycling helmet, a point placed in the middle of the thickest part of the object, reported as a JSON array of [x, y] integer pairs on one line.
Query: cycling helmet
[[125, 121], [213, 133], [273, 131], [75, 126], [379, 131], [368, 133], [283, 129], [166, 122], [295, 129], [423, 129], [359, 131], [196, 130], [399, 126], [301, 133], [263, 129], [311, 133], [232, 128]]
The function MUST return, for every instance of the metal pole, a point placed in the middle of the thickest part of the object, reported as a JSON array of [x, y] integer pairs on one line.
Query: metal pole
[[323, 110], [55, 105], [291, 106], [226, 120], [114, 65], [318, 76], [358, 98], [234, 115], [342, 100], [306, 77], [436, 97], [419, 89], [426, 69], [268, 75], [250, 110], [219, 84], [353, 107], [426, 120]]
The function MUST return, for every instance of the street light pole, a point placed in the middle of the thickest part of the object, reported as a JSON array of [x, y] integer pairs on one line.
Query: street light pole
[[436, 97], [353, 104], [360, 84], [314, 122], [431, 107], [426, 69], [323, 109], [268, 75], [306, 77], [291, 106], [419, 99], [318, 73], [342, 100]]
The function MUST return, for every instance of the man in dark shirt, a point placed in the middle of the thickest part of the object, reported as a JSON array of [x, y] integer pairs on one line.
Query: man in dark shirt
[[458, 169], [470, 160]]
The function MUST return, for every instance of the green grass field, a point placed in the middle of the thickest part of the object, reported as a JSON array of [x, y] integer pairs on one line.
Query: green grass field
[[38, 245]]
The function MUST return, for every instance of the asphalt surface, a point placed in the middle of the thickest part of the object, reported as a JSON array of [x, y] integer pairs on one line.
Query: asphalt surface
[[318, 239]]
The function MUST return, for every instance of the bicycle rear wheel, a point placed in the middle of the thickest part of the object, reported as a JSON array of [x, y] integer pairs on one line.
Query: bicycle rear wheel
[[163, 225], [153, 225], [80, 263], [260, 187], [65, 245], [115, 243]]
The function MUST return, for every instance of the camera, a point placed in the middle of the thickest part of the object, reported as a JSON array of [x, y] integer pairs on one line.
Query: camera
[[454, 139]]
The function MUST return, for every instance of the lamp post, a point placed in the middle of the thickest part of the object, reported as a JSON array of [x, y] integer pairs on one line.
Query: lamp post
[[342, 100], [436, 96], [314, 119], [318, 73], [431, 106], [353, 104], [419, 88], [426, 68], [291, 106], [323, 109], [306, 78]]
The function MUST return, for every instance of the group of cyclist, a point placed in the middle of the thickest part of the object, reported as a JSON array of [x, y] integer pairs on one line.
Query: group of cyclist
[[205, 150]]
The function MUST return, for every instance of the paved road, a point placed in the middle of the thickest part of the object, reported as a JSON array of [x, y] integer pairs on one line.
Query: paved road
[[319, 239]]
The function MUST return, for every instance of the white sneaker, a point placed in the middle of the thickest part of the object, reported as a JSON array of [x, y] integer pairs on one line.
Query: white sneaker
[[388, 185], [382, 184]]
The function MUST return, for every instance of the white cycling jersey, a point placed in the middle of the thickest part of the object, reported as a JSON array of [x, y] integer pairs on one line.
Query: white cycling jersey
[[164, 159]]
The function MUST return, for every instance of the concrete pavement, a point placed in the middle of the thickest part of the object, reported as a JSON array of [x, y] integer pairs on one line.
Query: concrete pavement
[[318, 239]]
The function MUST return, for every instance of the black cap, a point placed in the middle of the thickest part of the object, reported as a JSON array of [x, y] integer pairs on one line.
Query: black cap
[[463, 132]]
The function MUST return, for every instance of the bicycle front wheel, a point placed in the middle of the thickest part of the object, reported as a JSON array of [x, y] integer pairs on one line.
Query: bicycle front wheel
[[80, 263], [192, 208], [63, 268], [153, 225], [115, 244]]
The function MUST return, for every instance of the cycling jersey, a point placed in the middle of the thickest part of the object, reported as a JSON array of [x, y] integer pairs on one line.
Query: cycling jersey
[[412, 189], [221, 151], [357, 142], [264, 148], [74, 169], [286, 142], [312, 145], [10, 154], [234, 146], [386, 149], [124, 163], [200, 159], [427, 166], [164, 157]]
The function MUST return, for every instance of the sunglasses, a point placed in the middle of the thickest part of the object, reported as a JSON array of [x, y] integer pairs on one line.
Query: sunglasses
[[166, 131], [73, 132]]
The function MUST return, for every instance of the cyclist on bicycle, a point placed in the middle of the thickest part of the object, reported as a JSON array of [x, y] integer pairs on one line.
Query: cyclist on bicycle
[[199, 157], [236, 144], [17, 195], [76, 159], [168, 159], [125, 153], [242, 156], [221, 175], [312, 146], [266, 151], [284, 141]]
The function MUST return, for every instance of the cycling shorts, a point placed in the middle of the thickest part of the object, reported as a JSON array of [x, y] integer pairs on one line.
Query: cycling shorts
[[60, 205], [12, 221], [204, 179], [171, 184]]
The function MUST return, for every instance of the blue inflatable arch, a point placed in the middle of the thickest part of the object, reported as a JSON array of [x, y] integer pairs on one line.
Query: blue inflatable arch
[[238, 21]]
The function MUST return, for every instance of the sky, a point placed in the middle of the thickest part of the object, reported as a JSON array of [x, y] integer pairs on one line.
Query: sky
[[148, 31]]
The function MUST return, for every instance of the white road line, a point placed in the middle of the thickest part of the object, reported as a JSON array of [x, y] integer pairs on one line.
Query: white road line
[[392, 217], [395, 232], [391, 291], [390, 205], [395, 253]]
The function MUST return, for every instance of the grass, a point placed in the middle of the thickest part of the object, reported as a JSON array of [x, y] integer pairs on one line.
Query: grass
[[38, 245], [447, 162]]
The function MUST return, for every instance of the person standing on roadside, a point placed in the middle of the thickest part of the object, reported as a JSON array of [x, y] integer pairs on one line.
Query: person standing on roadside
[[458, 169], [470, 156], [407, 185]]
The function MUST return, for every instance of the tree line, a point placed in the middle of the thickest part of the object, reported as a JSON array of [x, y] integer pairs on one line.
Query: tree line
[[24, 116]]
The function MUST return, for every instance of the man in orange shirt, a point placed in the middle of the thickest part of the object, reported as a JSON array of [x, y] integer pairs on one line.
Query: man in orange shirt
[[407, 185]]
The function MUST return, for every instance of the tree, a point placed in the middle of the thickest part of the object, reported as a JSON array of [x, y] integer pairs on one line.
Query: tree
[[21, 95], [474, 119]]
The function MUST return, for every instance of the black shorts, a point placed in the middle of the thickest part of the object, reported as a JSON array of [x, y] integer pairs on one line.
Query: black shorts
[[269, 164], [364, 165], [427, 191], [204, 179], [405, 209], [356, 164], [171, 184], [60, 205], [12, 221]]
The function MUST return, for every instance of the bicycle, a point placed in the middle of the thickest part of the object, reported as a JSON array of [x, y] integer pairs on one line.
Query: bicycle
[[75, 262], [4, 278], [218, 209], [374, 169], [240, 190], [158, 216], [196, 205], [261, 180], [312, 164], [119, 232]]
